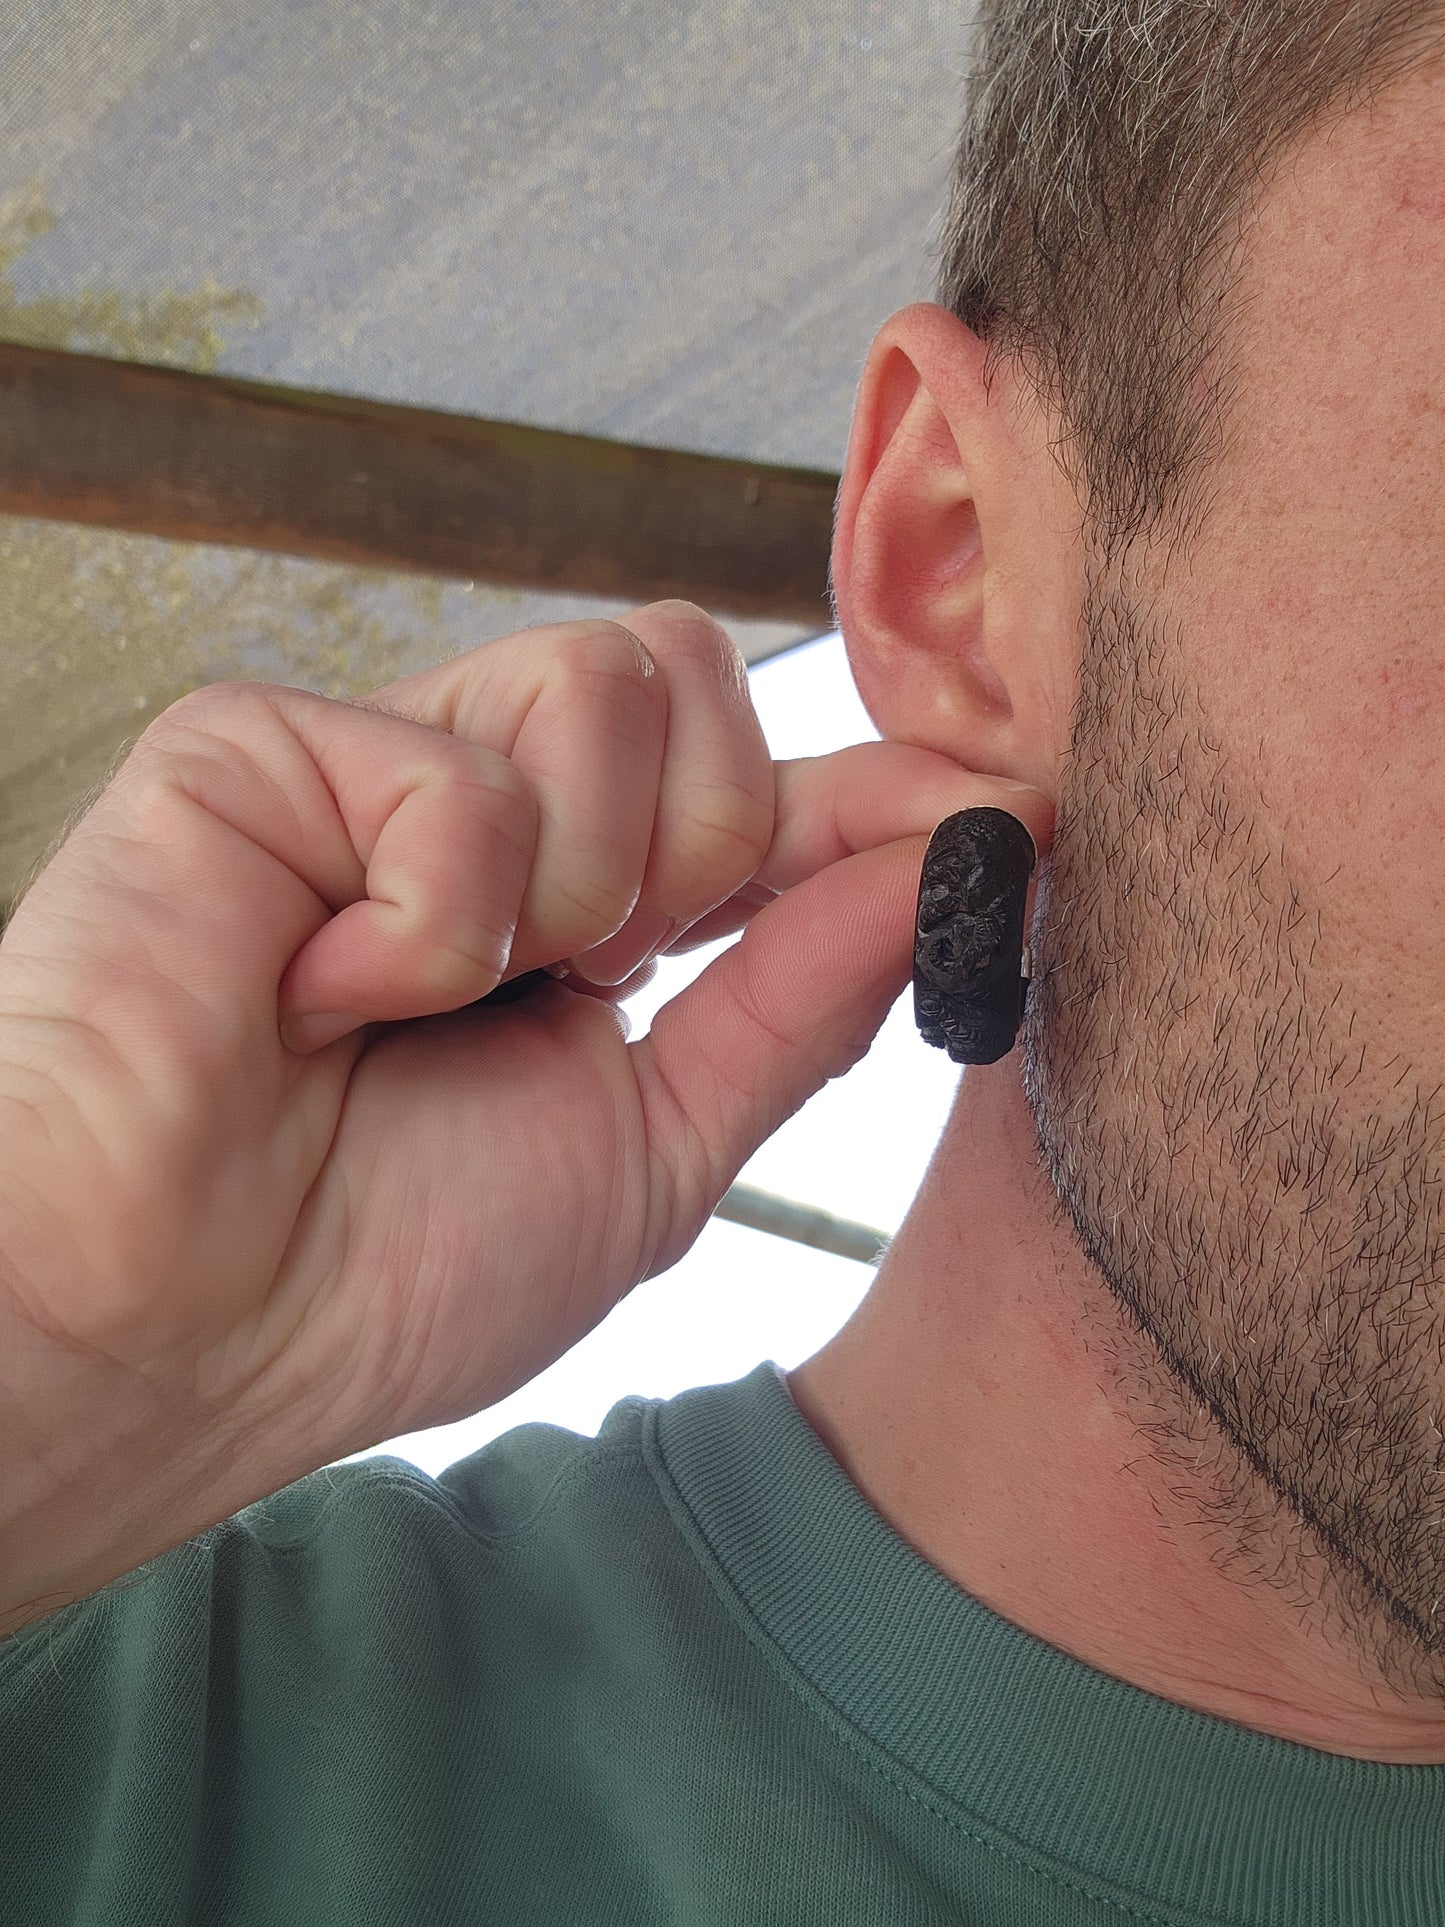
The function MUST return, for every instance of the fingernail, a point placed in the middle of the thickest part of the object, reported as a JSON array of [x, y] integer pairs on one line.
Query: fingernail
[[317, 1029], [609, 962]]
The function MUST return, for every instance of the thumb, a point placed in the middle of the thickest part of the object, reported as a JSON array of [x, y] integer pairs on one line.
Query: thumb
[[795, 1002]]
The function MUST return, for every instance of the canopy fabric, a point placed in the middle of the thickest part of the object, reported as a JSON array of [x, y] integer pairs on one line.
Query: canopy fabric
[[661, 222]]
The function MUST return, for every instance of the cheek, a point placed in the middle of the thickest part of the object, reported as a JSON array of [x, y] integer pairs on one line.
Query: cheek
[[1321, 669], [1351, 753], [1354, 796], [1332, 742], [1363, 790], [1397, 726]]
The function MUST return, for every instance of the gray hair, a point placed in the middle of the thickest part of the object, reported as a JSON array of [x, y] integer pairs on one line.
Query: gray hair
[[1110, 153]]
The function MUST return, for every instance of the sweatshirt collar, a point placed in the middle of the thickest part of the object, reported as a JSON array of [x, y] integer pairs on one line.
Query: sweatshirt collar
[[1183, 1809]]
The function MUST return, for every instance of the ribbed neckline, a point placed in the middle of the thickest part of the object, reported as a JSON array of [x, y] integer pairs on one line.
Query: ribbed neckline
[[1180, 1809]]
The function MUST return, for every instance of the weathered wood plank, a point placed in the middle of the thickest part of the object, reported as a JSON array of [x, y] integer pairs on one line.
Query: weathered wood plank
[[209, 458]]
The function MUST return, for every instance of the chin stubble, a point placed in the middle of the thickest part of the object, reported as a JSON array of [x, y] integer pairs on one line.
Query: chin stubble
[[1254, 1178]]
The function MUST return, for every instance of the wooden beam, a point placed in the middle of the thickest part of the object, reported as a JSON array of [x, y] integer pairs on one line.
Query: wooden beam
[[208, 458]]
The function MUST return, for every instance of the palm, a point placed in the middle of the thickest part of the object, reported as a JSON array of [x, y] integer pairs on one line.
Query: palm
[[467, 1241]]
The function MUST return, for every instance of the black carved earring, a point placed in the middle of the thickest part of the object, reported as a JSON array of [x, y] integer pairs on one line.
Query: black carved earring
[[970, 968]]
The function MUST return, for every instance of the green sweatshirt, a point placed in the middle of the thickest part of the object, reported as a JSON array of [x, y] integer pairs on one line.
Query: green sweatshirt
[[679, 1673]]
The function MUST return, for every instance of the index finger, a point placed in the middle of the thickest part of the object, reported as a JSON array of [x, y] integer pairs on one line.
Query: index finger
[[832, 807]]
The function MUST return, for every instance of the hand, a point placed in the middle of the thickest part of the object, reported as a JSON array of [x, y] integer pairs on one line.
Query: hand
[[263, 1260]]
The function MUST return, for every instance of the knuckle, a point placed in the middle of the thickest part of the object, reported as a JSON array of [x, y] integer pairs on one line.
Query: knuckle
[[210, 698], [211, 708], [731, 841], [598, 904], [687, 615], [186, 714], [221, 727], [461, 959], [495, 797], [480, 767], [611, 653], [188, 738], [692, 630]]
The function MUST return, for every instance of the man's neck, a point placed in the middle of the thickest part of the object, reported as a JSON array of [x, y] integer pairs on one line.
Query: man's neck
[[968, 1400]]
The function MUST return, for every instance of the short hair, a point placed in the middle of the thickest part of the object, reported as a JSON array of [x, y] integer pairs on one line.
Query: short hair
[[1110, 153]]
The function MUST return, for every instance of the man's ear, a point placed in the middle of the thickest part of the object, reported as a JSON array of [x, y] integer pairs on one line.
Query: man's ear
[[956, 565]]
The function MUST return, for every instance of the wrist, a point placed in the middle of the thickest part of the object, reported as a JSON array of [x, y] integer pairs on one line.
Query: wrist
[[105, 1470]]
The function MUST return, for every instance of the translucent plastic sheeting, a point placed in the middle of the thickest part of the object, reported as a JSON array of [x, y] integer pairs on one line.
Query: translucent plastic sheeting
[[102, 631], [666, 223], [678, 224]]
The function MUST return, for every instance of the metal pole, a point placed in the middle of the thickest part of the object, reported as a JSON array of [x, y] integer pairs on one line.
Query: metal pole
[[805, 1225]]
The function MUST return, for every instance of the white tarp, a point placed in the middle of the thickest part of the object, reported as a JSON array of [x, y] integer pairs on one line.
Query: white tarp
[[669, 223]]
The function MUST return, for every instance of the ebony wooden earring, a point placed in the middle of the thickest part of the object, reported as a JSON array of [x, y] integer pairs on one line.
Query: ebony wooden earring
[[970, 968]]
